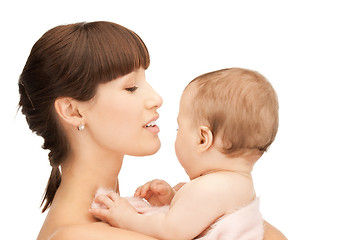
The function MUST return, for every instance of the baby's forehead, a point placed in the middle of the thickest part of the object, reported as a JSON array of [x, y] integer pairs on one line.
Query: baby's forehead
[[188, 99], [190, 90]]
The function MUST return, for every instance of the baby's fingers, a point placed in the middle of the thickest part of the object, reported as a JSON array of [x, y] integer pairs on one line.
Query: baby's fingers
[[113, 196], [99, 213], [104, 200], [138, 191], [143, 190], [160, 187]]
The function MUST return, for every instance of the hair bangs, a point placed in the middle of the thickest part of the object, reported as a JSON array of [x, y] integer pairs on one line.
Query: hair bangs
[[88, 54], [115, 51]]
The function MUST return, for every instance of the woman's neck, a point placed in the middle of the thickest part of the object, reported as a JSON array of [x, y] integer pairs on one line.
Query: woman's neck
[[82, 174], [89, 172]]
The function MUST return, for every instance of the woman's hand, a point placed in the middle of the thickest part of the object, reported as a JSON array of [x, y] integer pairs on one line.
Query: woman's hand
[[116, 211], [156, 192]]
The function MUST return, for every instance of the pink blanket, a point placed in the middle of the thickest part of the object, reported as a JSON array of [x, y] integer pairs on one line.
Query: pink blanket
[[245, 223]]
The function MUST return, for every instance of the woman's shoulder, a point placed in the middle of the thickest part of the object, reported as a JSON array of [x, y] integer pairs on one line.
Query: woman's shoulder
[[95, 231]]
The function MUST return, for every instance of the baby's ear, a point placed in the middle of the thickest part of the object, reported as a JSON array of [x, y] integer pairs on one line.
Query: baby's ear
[[205, 139]]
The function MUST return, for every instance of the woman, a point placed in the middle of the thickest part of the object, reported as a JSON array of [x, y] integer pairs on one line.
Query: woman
[[83, 90]]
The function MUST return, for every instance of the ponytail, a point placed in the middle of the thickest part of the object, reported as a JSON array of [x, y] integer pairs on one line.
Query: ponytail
[[51, 188]]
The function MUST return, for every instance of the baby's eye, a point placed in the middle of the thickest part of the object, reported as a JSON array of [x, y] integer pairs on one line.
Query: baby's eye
[[177, 129], [131, 89]]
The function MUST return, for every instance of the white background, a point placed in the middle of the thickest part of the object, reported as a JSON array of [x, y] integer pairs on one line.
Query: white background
[[309, 50]]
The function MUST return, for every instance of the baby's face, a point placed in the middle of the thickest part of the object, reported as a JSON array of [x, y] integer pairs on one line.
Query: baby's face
[[186, 140]]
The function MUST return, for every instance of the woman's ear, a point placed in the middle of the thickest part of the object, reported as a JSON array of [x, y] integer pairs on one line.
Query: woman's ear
[[67, 109], [205, 139]]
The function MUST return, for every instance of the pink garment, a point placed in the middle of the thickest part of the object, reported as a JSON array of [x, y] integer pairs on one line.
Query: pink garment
[[245, 223]]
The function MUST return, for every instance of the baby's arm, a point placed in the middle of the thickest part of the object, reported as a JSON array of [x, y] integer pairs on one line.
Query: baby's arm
[[195, 207]]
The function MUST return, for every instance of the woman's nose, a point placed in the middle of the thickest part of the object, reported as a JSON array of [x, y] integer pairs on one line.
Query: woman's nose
[[154, 100]]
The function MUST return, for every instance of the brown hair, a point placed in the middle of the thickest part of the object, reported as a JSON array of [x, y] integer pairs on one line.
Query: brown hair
[[240, 106], [71, 61]]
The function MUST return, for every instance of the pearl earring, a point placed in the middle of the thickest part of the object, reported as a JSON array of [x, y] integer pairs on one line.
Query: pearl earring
[[81, 127]]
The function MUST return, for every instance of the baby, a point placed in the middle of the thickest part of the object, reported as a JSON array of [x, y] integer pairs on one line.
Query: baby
[[227, 120]]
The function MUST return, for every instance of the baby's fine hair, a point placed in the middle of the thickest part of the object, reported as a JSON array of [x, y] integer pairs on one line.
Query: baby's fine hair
[[240, 106]]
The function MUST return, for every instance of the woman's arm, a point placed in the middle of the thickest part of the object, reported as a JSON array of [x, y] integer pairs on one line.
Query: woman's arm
[[96, 231], [271, 233]]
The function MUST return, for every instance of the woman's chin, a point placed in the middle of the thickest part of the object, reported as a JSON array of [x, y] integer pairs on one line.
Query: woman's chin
[[154, 150], [148, 149]]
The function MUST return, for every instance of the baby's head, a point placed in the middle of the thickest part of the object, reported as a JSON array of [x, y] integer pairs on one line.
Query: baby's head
[[239, 106]]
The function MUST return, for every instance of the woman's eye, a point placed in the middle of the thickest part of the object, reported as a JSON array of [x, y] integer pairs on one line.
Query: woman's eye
[[131, 89], [177, 129]]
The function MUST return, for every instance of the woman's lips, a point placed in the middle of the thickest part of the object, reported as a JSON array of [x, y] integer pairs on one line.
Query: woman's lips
[[152, 127], [150, 124]]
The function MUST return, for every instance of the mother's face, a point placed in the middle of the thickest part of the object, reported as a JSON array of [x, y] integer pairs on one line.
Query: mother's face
[[121, 117]]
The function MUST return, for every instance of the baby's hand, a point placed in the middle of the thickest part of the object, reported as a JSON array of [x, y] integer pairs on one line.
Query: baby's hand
[[117, 209], [156, 192]]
